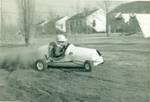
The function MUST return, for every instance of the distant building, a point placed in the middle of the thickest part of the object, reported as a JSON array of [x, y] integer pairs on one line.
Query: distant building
[[123, 18], [54, 26], [46, 27], [87, 22], [61, 24]]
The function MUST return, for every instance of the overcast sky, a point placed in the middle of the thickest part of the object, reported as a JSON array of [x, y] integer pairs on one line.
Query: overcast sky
[[60, 7], [67, 6]]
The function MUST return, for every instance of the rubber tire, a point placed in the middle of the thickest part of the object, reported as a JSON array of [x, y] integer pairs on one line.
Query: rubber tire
[[88, 64], [43, 62]]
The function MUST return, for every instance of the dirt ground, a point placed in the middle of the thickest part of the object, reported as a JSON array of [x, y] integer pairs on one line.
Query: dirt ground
[[124, 77]]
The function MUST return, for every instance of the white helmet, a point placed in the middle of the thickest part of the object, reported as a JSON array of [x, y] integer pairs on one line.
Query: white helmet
[[61, 38]]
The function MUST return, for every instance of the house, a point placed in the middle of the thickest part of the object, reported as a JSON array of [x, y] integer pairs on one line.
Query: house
[[144, 23], [124, 23], [48, 26], [124, 17], [87, 22], [61, 24]]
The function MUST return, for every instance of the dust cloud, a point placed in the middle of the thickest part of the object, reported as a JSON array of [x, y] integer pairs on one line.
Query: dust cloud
[[13, 58]]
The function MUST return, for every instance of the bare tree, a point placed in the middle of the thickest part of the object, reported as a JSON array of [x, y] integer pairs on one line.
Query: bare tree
[[52, 14], [2, 22], [26, 15], [77, 8]]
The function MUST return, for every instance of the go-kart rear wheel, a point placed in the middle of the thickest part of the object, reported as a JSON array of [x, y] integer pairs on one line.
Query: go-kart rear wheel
[[88, 66], [40, 65]]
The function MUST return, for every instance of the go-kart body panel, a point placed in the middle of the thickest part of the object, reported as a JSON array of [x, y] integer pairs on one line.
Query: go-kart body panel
[[66, 64], [74, 56]]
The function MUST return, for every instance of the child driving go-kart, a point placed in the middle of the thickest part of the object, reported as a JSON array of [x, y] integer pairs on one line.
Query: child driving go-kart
[[63, 54], [57, 49]]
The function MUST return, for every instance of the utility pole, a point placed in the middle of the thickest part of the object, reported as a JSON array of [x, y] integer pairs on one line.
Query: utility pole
[[1, 37], [1, 21]]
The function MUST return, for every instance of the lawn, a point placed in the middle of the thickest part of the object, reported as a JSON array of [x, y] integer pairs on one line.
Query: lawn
[[124, 77]]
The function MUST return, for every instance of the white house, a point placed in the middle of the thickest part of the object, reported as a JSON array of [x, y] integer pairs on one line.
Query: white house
[[97, 20], [144, 23], [87, 22], [61, 24], [136, 22]]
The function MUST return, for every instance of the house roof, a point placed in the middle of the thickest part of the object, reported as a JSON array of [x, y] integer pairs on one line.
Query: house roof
[[59, 18], [43, 22], [63, 17], [133, 7], [83, 14]]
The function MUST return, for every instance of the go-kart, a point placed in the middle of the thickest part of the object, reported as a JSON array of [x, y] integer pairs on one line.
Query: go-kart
[[74, 56]]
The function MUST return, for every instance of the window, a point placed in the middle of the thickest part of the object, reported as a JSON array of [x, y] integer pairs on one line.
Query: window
[[94, 23], [80, 22], [61, 26]]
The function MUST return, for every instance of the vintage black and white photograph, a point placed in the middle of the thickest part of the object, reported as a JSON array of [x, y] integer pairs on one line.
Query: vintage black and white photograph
[[74, 51]]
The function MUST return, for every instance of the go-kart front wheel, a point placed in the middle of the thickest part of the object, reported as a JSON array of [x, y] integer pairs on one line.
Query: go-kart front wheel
[[88, 66], [40, 65]]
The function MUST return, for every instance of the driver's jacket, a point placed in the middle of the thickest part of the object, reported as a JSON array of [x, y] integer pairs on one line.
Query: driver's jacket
[[56, 50]]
